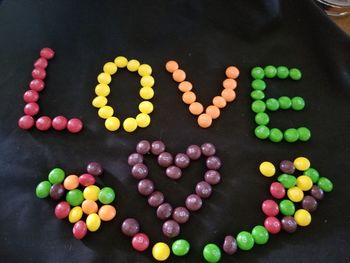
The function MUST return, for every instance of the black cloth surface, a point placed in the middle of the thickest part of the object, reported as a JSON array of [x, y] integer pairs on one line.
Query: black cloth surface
[[204, 37]]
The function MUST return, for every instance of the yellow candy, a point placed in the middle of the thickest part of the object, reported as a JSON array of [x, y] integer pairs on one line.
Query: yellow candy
[[91, 192], [301, 163], [130, 124], [147, 81], [93, 222], [295, 194], [304, 182], [146, 93], [112, 123], [99, 102], [104, 78], [146, 107], [105, 112], [302, 217], [161, 251], [121, 62], [110, 68], [133, 65], [143, 120], [102, 90], [267, 169], [145, 70], [75, 214]]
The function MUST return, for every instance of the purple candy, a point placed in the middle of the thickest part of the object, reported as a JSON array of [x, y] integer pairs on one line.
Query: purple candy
[[145, 187], [213, 163], [135, 158], [194, 152], [203, 189], [173, 172], [139, 171], [182, 160], [164, 211], [156, 199], [165, 159], [171, 228], [208, 149], [181, 215], [193, 202], [143, 147], [212, 177], [157, 147]]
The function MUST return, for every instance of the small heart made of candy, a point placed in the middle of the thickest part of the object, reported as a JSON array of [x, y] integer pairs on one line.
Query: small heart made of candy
[[174, 166]]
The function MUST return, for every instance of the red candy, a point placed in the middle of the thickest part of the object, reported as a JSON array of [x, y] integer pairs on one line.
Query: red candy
[[87, 179], [74, 125], [47, 53], [31, 108], [62, 210], [39, 73], [270, 208], [30, 96], [26, 122], [272, 225], [277, 190], [43, 123], [79, 229], [59, 123], [37, 85], [140, 242], [41, 63]]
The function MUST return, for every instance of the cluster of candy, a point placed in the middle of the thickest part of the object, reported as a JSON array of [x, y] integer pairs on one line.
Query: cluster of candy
[[174, 166], [102, 90], [259, 106], [79, 202], [31, 97], [189, 97]]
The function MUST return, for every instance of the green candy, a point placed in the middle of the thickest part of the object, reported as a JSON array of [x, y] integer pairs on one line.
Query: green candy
[[272, 104], [291, 135], [258, 106], [245, 240], [325, 184], [260, 235], [180, 247], [43, 189], [298, 103], [282, 72], [257, 73], [295, 74], [262, 132], [56, 176], [287, 207], [106, 195], [270, 71], [276, 135], [304, 134], [258, 84], [257, 95], [313, 174], [284, 102], [287, 180], [212, 253], [75, 197], [262, 118]]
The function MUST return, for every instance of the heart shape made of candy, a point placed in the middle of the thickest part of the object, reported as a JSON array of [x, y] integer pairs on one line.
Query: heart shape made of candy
[[174, 166]]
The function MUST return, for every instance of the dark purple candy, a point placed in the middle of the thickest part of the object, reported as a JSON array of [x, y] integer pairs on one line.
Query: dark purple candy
[[288, 224], [57, 191], [287, 167], [317, 192], [181, 215], [165, 159], [212, 177], [309, 203], [143, 147], [135, 158], [171, 228], [194, 152], [213, 163], [208, 149], [157, 147], [230, 245], [130, 227], [203, 189], [173, 172], [139, 171], [155, 199], [164, 211], [145, 187], [182, 160], [94, 169], [193, 202]]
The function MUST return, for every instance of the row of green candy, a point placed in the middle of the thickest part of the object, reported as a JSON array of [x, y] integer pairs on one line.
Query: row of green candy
[[259, 106]]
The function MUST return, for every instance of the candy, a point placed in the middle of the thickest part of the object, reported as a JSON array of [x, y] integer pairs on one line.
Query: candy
[[79, 230], [309, 203], [313, 174], [212, 177], [219, 102], [41, 63], [196, 108], [291, 135], [107, 212], [230, 245], [102, 90], [229, 84], [287, 180], [147, 81], [181, 215], [203, 189], [57, 191], [288, 224], [298, 103], [285, 102], [105, 112], [304, 134], [161, 251], [193, 202], [146, 93], [212, 253], [104, 78], [260, 235], [276, 135], [74, 197], [164, 211], [272, 104], [277, 190], [180, 247], [139, 171], [140, 242], [89, 207], [106, 195], [56, 176], [258, 84], [135, 158], [59, 123], [258, 106], [133, 65], [157, 147], [173, 172], [295, 74], [182, 160], [37, 85], [213, 163], [143, 120], [262, 118], [112, 123], [179, 75], [245, 240], [120, 61], [295, 194], [26, 122], [257, 73], [99, 102], [75, 214], [193, 152], [273, 225], [91, 192], [62, 210], [267, 169], [232, 72], [302, 217], [287, 207], [94, 168], [145, 187], [213, 111], [39, 73], [282, 72], [30, 96], [86, 179], [110, 68], [130, 227], [155, 199], [317, 192], [31, 108], [257, 95], [43, 189], [171, 66], [143, 147], [301, 163], [47, 53], [304, 183], [208, 149], [325, 184], [93, 222], [171, 228], [43, 123], [189, 97], [204, 120], [287, 166], [270, 208], [270, 71], [262, 132], [185, 86], [165, 159], [144, 70]]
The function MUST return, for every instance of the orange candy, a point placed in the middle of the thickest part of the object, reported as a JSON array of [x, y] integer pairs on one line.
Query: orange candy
[[213, 111], [228, 94], [71, 182], [89, 207], [107, 212], [219, 102], [232, 72], [185, 86], [204, 120], [179, 75], [171, 66], [196, 108], [229, 84], [188, 97]]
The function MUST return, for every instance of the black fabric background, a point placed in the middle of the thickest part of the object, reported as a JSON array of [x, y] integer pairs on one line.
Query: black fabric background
[[204, 37]]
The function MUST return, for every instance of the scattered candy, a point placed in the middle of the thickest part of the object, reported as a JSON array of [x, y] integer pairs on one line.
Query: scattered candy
[[161, 251], [140, 242], [180, 247], [212, 253]]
